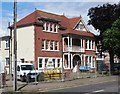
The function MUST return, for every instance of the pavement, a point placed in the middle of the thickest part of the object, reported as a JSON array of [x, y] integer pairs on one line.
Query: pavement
[[50, 85]]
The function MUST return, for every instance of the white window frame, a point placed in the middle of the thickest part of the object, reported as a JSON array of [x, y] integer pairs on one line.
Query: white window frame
[[43, 44], [7, 61], [49, 59], [56, 42], [44, 25], [93, 44], [87, 44], [39, 63], [56, 28], [52, 27], [52, 45], [58, 63], [7, 43], [48, 44]]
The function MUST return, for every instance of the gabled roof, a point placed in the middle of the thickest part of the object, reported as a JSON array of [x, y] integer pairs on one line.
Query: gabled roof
[[68, 23], [74, 21], [75, 32], [5, 38], [28, 19]]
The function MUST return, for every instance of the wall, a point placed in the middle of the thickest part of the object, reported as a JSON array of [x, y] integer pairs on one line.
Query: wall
[[25, 43], [39, 35]]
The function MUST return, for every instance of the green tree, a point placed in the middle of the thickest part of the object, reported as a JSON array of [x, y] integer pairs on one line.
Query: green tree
[[111, 41], [102, 17]]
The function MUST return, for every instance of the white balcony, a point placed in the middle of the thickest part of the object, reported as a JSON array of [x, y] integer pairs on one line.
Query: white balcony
[[74, 49]]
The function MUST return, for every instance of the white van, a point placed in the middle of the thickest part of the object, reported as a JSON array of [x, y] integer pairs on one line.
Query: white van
[[26, 71]]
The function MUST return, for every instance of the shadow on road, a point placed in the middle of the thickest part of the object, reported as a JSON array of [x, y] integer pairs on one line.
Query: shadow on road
[[22, 86]]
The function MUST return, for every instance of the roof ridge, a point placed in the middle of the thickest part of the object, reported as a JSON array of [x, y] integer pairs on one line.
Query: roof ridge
[[75, 17], [47, 12]]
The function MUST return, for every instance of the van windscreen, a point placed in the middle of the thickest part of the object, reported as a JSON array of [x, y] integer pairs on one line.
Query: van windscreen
[[27, 67]]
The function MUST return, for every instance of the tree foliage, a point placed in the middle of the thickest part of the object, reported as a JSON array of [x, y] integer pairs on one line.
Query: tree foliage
[[102, 17], [111, 38]]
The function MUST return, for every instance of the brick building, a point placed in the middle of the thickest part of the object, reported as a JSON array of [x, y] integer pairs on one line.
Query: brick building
[[44, 37]]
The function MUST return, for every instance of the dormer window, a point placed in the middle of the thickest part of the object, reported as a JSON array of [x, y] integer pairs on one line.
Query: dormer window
[[47, 26], [50, 27], [44, 26], [80, 26], [55, 28]]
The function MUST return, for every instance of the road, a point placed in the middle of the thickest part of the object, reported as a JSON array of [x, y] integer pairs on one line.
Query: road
[[93, 88]]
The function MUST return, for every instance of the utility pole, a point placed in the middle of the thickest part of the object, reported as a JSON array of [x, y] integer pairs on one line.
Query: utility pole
[[15, 48]]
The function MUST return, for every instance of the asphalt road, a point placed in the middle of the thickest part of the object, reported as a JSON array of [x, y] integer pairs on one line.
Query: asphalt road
[[93, 88]]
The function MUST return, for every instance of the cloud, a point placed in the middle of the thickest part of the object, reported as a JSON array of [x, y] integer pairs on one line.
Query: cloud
[[3, 33], [70, 9]]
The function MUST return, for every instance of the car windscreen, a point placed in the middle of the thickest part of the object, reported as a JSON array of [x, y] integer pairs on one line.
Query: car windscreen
[[27, 67]]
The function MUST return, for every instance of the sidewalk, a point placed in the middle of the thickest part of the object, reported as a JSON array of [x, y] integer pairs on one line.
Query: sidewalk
[[53, 85]]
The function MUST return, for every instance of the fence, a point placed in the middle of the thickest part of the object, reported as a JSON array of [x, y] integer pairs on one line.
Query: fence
[[55, 73]]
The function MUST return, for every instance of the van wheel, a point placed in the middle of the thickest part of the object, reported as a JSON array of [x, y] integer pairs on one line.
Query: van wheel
[[21, 79]]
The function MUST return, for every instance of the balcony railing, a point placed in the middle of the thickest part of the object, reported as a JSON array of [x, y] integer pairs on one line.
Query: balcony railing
[[74, 49]]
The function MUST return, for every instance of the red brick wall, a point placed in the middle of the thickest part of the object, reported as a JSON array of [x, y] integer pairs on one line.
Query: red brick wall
[[90, 52], [39, 35]]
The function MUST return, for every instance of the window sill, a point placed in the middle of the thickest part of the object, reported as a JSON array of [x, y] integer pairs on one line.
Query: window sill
[[50, 32], [6, 48], [50, 50], [90, 49]]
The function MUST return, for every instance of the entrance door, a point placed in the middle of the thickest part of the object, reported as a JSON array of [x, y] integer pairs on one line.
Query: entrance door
[[76, 63]]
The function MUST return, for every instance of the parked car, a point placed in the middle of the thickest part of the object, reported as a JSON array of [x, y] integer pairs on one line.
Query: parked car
[[26, 72]]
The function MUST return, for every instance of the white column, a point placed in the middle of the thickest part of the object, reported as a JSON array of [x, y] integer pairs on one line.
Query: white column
[[43, 63], [87, 44], [91, 61], [84, 60], [71, 41], [71, 61], [63, 61], [56, 63], [94, 62], [68, 41], [91, 45], [53, 45], [81, 59], [81, 44], [45, 44], [88, 61], [63, 44]]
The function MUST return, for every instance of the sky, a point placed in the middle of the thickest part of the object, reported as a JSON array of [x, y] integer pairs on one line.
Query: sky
[[66, 7]]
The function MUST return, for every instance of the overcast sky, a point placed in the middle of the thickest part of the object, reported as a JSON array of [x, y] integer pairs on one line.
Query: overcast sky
[[25, 7]]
